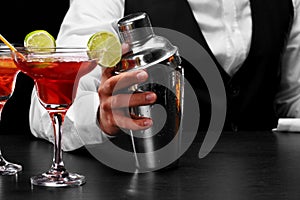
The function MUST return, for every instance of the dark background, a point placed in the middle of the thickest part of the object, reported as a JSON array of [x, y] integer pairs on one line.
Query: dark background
[[17, 19]]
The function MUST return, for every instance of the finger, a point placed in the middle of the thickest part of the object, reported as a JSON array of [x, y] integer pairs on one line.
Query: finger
[[131, 100], [122, 81], [125, 122], [125, 48], [112, 122], [107, 72]]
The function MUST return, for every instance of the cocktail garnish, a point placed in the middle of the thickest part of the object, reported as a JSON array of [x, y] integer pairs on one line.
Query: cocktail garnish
[[106, 47], [39, 41]]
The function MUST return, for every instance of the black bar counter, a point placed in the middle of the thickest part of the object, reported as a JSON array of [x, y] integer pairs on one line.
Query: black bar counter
[[243, 165]]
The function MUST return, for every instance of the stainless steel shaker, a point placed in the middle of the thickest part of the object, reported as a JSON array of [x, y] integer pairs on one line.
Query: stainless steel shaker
[[158, 146]]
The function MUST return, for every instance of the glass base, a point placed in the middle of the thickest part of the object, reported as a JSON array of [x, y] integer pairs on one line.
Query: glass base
[[8, 168], [57, 179]]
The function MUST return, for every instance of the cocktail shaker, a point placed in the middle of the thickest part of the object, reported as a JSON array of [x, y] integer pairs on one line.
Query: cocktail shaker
[[159, 146]]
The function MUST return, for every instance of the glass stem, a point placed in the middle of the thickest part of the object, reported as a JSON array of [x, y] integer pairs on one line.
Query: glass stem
[[2, 160], [1, 157], [1, 107], [57, 121]]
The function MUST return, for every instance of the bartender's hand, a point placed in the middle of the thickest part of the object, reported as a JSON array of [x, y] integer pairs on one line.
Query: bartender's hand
[[114, 108]]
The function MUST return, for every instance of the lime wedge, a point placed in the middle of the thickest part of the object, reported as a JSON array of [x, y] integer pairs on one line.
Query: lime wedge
[[106, 47], [39, 39]]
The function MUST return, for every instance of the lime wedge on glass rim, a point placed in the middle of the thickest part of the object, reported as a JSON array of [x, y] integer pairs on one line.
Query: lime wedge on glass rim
[[106, 47], [39, 41]]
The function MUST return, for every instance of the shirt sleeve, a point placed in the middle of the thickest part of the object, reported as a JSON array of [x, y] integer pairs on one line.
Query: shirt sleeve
[[84, 18], [81, 126], [288, 97]]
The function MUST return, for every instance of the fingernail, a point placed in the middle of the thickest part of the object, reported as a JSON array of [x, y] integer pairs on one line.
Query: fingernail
[[142, 76], [148, 122], [150, 97]]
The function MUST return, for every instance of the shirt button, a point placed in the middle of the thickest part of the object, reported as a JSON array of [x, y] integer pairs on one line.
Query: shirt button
[[235, 91], [234, 127]]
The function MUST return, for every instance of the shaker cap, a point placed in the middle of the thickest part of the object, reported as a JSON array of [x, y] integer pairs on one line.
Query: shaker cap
[[135, 28]]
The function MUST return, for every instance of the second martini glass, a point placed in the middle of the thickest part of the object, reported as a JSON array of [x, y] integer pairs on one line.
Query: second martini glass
[[8, 74], [56, 73]]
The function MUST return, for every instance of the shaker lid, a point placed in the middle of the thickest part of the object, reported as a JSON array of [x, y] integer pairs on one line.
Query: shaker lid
[[135, 28]]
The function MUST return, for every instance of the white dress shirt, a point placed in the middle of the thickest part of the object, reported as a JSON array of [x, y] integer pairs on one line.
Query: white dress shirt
[[227, 28]]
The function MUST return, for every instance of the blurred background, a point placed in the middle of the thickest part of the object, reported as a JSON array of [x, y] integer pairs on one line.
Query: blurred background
[[17, 19]]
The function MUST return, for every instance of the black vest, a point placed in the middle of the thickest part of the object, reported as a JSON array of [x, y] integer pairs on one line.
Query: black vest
[[251, 91]]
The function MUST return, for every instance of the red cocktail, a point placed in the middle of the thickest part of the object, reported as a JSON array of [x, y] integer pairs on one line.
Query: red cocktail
[[56, 81], [56, 73], [8, 74]]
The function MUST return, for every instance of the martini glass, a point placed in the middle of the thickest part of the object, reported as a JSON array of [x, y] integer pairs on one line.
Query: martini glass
[[56, 73], [8, 74]]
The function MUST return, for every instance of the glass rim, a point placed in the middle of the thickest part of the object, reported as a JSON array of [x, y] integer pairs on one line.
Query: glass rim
[[53, 50]]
